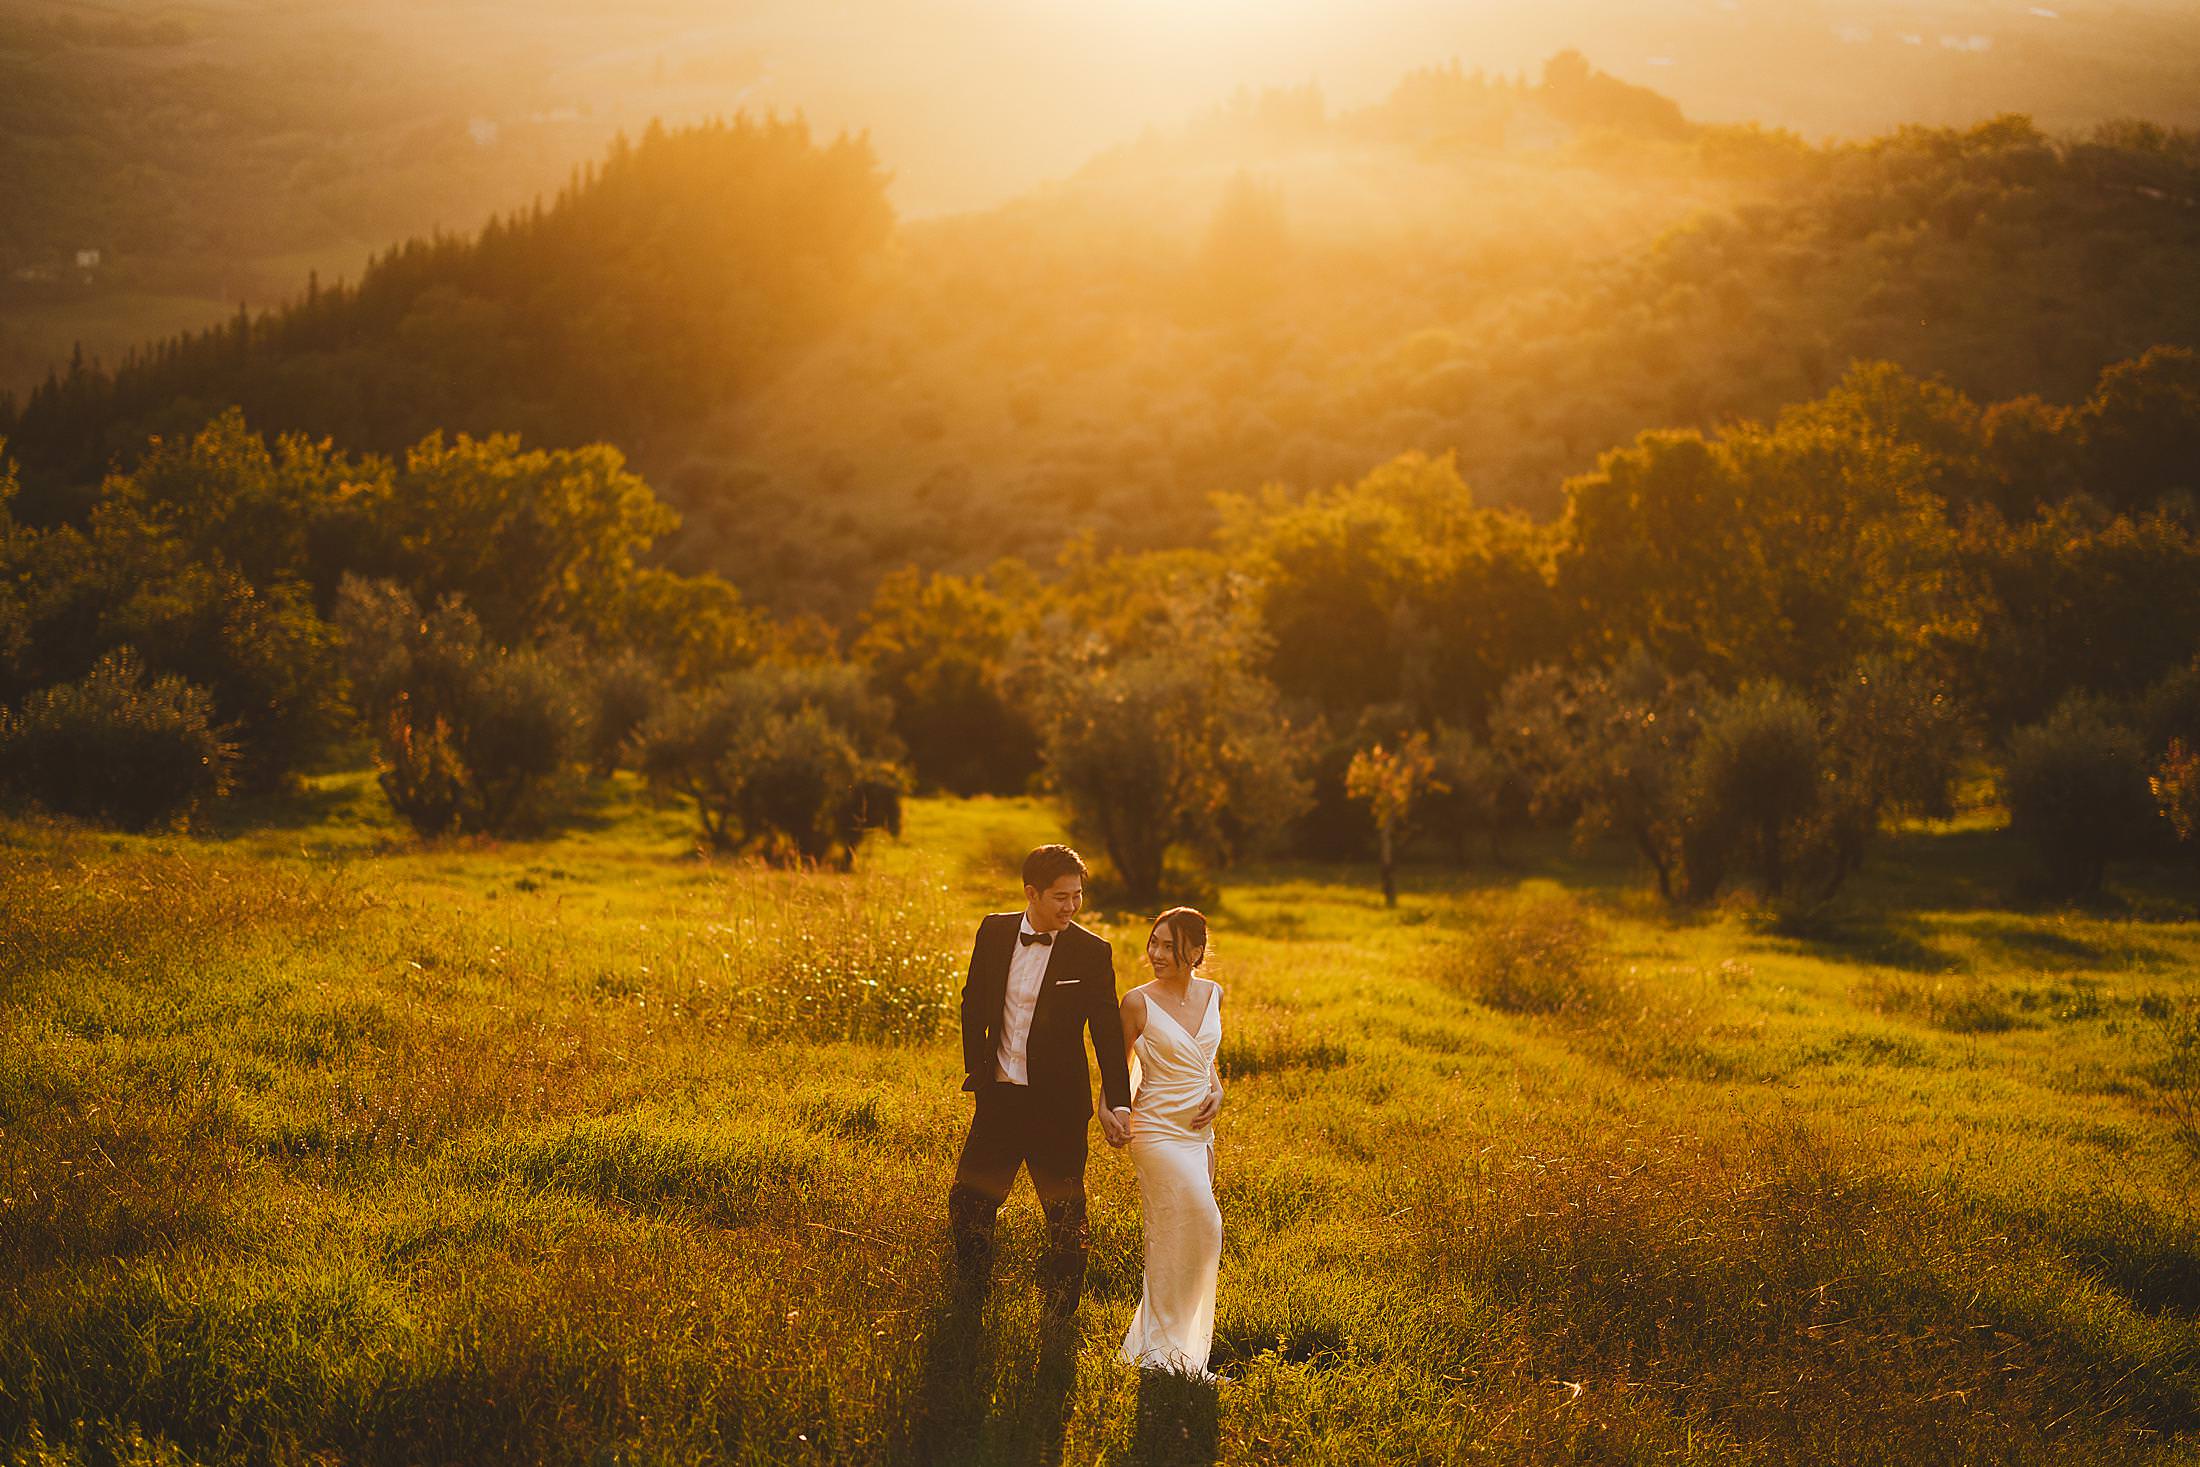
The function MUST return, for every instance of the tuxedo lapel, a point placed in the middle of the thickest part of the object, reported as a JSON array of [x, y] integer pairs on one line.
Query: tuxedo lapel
[[1000, 966]]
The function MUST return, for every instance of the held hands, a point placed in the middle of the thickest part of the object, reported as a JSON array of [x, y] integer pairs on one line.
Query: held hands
[[1115, 1124]]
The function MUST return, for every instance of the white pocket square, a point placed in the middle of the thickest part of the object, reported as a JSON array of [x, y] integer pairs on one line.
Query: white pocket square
[[1067, 982]]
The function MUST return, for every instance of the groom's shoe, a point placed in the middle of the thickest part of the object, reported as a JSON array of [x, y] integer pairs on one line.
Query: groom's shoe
[[1061, 1285], [970, 1216], [1058, 1297], [1068, 1241]]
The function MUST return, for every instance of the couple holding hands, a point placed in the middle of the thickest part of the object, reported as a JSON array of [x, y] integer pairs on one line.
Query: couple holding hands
[[1038, 984]]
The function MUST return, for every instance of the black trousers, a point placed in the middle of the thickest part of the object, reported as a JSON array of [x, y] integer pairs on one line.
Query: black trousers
[[1011, 1130]]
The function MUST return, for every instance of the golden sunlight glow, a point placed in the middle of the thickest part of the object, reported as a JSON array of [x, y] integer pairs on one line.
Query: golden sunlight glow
[[1642, 557]]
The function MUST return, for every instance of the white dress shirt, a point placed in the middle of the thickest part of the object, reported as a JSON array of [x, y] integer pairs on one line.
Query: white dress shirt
[[1027, 966]]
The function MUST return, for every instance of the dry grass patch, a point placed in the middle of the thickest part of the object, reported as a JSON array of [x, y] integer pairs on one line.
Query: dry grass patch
[[2174, 1071], [67, 904], [1822, 1305], [1957, 1004], [1550, 958]]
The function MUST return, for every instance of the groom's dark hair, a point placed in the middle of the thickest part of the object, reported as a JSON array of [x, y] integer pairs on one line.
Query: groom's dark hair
[[1049, 864]]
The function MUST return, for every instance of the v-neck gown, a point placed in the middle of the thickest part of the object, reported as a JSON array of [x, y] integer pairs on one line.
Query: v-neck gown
[[1174, 1327]]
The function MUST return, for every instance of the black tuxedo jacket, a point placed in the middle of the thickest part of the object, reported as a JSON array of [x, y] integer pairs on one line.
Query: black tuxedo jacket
[[1076, 996]]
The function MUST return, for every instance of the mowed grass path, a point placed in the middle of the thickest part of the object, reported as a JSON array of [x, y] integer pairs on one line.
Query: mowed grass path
[[321, 1145]]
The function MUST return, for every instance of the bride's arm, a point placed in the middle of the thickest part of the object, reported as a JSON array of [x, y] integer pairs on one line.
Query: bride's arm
[[1134, 1022]]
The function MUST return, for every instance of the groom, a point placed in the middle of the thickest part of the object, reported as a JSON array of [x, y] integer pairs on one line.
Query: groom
[[1037, 983]]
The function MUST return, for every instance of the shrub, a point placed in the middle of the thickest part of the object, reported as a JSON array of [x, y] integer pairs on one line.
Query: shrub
[[518, 729], [1610, 750], [938, 647], [875, 806], [1789, 793], [15, 635], [115, 748], [1540, 956], [622, 695], [1535, 726], [397, 657], [697, 746], [789, 761], [421, 775], [78, 592], [1180, 745], [2076, 787], [1755, 779], [1896, 738], [2175, 784], [839, 690], [2171, 709], [1474, 790], [1391, 782], [470, 737], [263, 655], [1893, 739], [802, 768]]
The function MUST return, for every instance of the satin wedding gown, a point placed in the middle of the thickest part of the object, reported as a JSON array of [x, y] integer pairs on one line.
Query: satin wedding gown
[[1174, 1327]]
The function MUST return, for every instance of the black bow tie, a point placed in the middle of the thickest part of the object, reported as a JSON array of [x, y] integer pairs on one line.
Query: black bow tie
[[1044, 939]]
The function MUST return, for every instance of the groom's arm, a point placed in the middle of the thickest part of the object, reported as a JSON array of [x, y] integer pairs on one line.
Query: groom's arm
[[1106, 1022], [973, 1012]]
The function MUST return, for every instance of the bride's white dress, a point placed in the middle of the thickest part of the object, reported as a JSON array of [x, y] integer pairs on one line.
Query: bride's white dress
[[1175, 1323]]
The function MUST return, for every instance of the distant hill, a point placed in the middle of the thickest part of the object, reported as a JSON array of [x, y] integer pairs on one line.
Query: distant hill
[[668, 280], [198, 157], [1521, 273]]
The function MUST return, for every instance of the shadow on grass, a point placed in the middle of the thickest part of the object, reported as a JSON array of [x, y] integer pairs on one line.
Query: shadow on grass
[[951, 1403], [958, 1417], [1867, 927], [2018, 944], [1909, 874], [1873, 938], [2035, 947], [301, 809], [1178, 1421], [1607, 870], [1033, 1420], [584, 807], [1885, 915], [353, 803]]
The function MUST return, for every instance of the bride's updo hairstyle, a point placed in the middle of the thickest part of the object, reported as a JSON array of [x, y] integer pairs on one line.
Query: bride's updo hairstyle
[[1187, 935]]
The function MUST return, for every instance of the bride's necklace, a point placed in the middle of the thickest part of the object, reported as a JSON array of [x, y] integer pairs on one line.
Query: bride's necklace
[[1170, 1009]]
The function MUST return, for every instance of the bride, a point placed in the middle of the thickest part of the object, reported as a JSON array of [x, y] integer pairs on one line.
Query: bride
[[1172, 1027]]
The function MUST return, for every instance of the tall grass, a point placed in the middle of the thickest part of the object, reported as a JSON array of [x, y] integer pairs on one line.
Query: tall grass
[[1549, 955], [323, 1146], [2176, 1072], [836, 960]]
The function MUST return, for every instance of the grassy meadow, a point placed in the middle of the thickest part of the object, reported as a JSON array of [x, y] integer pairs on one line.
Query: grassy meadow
[[319, 1144]]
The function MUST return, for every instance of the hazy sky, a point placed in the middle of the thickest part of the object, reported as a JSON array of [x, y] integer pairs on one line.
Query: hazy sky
[[971, 100]]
